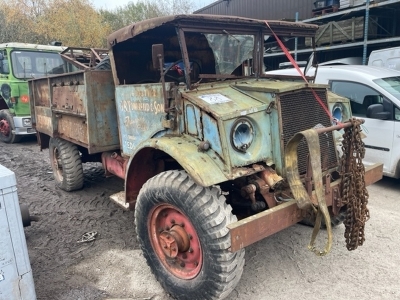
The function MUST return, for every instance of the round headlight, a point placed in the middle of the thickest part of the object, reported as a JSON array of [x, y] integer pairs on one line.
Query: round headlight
[[338, 112], [242, 135]]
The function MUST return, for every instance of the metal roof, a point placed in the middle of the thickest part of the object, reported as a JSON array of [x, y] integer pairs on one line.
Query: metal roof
[[32, 46], [198, 20]]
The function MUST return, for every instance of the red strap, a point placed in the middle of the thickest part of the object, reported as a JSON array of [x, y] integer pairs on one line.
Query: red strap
[[294, 63]]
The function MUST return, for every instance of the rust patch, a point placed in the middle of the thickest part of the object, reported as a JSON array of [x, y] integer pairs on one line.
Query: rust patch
[[74, 128]]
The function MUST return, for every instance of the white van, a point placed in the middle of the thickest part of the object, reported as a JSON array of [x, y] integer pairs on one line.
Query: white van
[[375, 96], [385, 58]]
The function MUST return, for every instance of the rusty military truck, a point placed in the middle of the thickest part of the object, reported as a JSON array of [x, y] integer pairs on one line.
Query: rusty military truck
[[214, 154]]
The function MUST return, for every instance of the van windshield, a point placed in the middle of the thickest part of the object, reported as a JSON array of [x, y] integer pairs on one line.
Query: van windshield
[[390, 84]]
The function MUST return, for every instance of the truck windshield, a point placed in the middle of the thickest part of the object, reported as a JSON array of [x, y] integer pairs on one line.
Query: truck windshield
[[390, 84], [230, 50], [31, 64]]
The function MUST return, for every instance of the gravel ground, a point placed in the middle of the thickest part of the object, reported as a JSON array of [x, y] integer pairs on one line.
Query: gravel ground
[[112, 266]]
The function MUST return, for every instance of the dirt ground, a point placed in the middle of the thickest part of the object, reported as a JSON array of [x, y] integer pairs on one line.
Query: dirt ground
[[112, 266]]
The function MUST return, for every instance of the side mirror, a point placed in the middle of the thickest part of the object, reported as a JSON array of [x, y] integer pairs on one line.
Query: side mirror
[[157, 53], [375, 111], [309, 64]]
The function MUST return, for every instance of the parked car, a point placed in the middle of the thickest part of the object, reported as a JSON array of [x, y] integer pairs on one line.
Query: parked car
[[374, 93]]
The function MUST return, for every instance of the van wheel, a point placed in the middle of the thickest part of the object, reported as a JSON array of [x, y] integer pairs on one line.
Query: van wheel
[[181, 227], [7, 127], [66, 162]]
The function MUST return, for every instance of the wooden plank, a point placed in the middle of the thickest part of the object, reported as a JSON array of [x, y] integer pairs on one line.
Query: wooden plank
[[343, 31]]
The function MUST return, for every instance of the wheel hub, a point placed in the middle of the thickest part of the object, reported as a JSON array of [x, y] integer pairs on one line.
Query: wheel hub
[[175, 241], [4, 127]]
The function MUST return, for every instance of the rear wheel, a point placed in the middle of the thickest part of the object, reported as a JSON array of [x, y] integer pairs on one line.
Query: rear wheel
[[182, 231], [7, 127], [66, 162]]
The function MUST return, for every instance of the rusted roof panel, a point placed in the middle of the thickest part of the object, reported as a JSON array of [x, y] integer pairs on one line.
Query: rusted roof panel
[[280, 27]]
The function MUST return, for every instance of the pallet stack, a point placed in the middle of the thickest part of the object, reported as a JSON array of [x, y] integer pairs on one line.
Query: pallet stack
[[323, 7]]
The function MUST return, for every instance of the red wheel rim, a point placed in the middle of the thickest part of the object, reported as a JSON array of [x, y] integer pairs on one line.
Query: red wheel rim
[[175, 241], [4, 127]]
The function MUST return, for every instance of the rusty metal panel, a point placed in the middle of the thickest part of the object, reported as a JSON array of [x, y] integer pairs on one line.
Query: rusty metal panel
[[81, 109], [73, 128], [44, 121], [263, 224], [261, 9], [69, 99], [373, 173], [140, 110], [212, 21], [39, 92], [101, 112]]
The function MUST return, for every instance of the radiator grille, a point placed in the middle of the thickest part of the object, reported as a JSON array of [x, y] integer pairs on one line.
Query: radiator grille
[[300, 111]]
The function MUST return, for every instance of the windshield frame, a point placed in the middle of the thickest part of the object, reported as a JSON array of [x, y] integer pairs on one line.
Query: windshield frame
[[224, 29]]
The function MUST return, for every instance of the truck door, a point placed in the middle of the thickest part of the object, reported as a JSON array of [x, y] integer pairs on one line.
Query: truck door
[[380, 133], [140, 109]]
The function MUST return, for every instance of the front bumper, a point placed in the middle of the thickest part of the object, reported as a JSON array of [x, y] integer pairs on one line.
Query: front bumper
[[257, 227], [23, 126]]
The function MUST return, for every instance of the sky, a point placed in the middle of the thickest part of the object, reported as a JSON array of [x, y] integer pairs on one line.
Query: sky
[[111, 4]]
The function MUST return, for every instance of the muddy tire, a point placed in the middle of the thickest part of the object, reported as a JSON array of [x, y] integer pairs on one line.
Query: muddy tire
[[104, 64], [6, 128], [182, 231], [66, 162]]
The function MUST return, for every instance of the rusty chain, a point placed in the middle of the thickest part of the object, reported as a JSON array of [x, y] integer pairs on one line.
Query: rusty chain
[[354, 192]]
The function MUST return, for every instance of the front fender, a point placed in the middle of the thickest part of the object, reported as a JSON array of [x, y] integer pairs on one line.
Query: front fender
[[205, 168]]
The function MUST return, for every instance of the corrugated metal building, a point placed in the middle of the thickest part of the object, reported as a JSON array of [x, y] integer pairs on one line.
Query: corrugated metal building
[[261, 9], [338, 19]]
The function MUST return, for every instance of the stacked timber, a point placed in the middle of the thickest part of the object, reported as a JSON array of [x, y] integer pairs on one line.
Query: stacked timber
[[344, 31]]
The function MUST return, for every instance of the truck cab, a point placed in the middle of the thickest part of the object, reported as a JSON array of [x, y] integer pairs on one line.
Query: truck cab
[[18, 63]]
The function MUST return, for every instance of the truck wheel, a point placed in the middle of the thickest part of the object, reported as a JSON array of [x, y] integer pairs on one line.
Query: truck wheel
[[181, 228], [6, 128], [67, 165]]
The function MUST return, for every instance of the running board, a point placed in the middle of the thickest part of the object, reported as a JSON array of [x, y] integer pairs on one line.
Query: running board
[[119, 199]]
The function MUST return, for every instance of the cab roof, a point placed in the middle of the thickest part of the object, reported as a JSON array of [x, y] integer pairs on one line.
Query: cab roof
[[32, 46], [202, 22]]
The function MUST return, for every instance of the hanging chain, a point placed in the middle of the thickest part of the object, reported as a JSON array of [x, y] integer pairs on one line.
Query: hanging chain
[[354, 193]]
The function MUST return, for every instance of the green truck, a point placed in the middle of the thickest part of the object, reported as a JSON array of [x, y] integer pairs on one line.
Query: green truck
[[18, 63]]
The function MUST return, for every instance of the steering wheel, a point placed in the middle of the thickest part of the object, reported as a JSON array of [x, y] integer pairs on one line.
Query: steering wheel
[[171, 65], [182, 77]]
